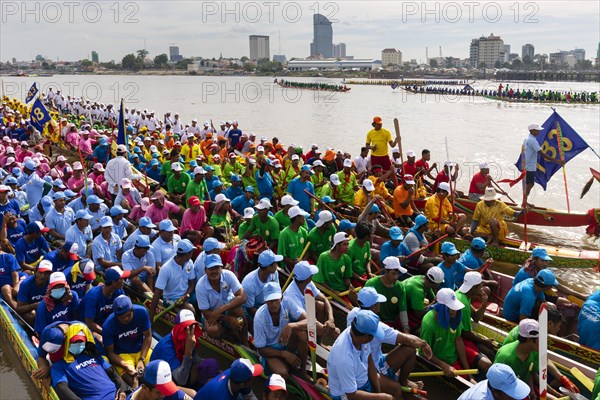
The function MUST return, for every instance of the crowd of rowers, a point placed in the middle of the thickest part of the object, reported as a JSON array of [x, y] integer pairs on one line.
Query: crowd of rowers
[[312, 85], [510, 93], [170, 247]]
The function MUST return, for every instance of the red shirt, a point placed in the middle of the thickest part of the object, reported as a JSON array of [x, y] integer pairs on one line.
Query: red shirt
[[422, 164], [478, 178], [441, 177], [410, 169]]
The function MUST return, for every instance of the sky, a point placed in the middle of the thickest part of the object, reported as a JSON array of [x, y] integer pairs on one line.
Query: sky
[[70, 30]]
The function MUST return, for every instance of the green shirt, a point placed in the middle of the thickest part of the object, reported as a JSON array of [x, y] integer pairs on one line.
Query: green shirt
[[441, 341], [596, 391], [523, 369], [283, 219], [334, 271], [396, 299], [229, 169], [346, 189], [465, 312], [414, 288], [512, 336], [250, 180], [178, 186], [320, 243], [196, 189], [360, 256], [268, 230], [243, 228], [291, 244], [166, 170], [217, 220], [318, 179]]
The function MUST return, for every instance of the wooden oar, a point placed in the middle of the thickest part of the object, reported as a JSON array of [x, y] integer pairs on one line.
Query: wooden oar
[[585, 381], [311, 326], [441, 373], [420, 392], [325, 204], [289, 279], [543, 352], [172, 306]]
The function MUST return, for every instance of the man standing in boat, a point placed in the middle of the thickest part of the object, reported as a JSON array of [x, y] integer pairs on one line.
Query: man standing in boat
[[377, 141]]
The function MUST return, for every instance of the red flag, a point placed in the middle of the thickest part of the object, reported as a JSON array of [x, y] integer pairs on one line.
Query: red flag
[[513, 182]]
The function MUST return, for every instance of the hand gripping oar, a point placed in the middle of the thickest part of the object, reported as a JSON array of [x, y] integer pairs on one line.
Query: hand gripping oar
[[166, 310], [289, 279], [420, 392]]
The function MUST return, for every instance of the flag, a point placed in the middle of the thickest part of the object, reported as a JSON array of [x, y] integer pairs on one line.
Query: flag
[[122, 138], [39, 115], [32, 92], [554, 129]]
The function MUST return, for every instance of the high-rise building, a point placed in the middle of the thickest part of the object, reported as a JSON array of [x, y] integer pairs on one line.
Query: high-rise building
[[474, 52], [527, 51], [339, 50], [487, 51], [95, 58], [391, 56], [506, 53], [259, 47], [579, 54], [322, 37], [174, 55], [280, 58], [598, 56]]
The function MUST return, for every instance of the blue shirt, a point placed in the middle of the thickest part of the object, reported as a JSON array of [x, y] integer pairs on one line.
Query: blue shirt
[[470, 261], [253, 287], [30, 252], [60, 222], [239, 203], [164, 251], [120, 229], [58, 263], [75, 235], [347, 366], [265, 331], [233, 192], [478, 392], [521, 276], [588, 324], [96, 306], [29, 292], [76, 204], [97, 216], [131, 262], [520, 300], [60, 312], [107, 250], [165, 350], [16, 233], [293, 293], [234, 135], [128, 338], [388, 250], [453, 275], [264, 184], [218, 388], [296, 188], [86, 377], [532, 147], [12, 206], [173, 279], [78, 285], [210, 299], [8, 264], [34, 187], [210, 183]]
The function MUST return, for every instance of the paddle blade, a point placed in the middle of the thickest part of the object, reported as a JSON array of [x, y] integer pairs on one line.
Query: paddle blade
[[311, 326], [586, 187]]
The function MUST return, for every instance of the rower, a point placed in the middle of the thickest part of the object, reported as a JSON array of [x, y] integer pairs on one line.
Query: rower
[[293, 238], [9, 278], [394, 247], [335, 267], [417, 289], [255, 281], [276, 388], [32, 291], [393, 311], [264, 225], [348, 184], [80, 277], [145, 227], [220, 298], [488, 218], [210, 246], [157, 380], [364, 194], [164, 246], [410, 166], [501, 384], [299, 185], [522, 298], [194, 225], [121, 226], [282, 215], [454, 271], [588, 324], [403, 200], [414, 240], [59, 304], [240, 203], [31, 247], [395, 366], [439, 211], [352, 371], [321, 235], [472, 259], [480, 182], [51, 348], [424, 170], [97, 209], [59, 218], [106, 247], [81, 232], [141, 257], [127, 336], [64, 257], [233, 383], [359, 250], [332, 188], [444, 175], [280, 333], [179, 349]]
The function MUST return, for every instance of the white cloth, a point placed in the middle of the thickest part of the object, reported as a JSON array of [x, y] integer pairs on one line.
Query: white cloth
[[117, 169]]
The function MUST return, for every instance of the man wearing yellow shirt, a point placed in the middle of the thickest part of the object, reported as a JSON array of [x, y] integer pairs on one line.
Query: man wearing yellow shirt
[[190, 150], [488, 218], [439, 212], [377, 141]]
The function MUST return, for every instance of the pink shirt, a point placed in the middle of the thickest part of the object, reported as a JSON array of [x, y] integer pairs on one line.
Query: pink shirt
[[97, 178], [191, 221], [73, 139], [73, 182], [22, 154], [158, 214], [86, 146]]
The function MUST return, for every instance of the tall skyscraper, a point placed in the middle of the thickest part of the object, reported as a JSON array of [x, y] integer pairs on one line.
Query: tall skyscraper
[[174, 54], [528, 50], [95, 58], [259, 47], [339, 50], [322, 37]]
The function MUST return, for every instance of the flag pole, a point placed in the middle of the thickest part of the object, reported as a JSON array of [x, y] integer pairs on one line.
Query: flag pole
[[561, 152]]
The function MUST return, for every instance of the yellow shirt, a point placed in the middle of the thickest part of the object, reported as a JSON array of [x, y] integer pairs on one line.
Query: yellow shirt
[[360, 199], [190, 152], [432, 212], [497, 211], [379, 138]]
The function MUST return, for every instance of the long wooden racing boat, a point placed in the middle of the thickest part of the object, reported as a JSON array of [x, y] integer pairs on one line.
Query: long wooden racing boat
[[321, 87], [23, 346]]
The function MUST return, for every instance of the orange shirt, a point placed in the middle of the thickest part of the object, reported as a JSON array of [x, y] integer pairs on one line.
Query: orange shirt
[[400, 196]]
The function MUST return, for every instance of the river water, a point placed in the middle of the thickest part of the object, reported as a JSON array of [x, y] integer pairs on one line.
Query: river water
[[474, 129]]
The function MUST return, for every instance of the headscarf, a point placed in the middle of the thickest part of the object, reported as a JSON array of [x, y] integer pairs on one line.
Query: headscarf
[[73, 330], [51, 302], [443, 317], [180, 336], [160, 197]]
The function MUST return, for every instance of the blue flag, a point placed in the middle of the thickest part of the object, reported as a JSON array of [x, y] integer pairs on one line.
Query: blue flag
[[122, 138], [555, 128], [32, 92], [39, 115]]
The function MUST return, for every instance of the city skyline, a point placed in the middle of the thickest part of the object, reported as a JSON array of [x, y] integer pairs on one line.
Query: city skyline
[[366, 29]]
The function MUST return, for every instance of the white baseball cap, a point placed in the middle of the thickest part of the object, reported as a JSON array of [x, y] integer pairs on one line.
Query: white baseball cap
[[221, 197], [347, 163], [339, 238], [529, 328], [484, 165], [393, 262], [295, 211], [472, 278], [294, 157], [288, 200], [447, 297], [411, 153], [368, 184], [324, 217], [263, 204], [444, 186], [435, 274], [248, 213], [335, 179], [534, 127]]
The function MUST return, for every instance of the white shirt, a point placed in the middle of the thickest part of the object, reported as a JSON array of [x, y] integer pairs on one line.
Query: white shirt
[[348, 367], [361, 164], [117, 169]]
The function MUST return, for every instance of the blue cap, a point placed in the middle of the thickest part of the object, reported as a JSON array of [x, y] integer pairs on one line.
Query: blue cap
[[502, 377], [540, 252], [59, 183], [58, 195], [142, 241], [546, 277], [184, 246], [449, 248], [213, 260], [47, 202], [122, 304], [367, 322], [93, 199], [70, 193], [135, 156], [211, 243], [154, 162], [130, 128], [250, 189], [368, 297], [306, 168], [303, 270], [117, 210], [106, 222], [267, 258], [16, 171], [11, 180], [420, 221], [166, 225], [103, 142], [83, 214], [396, 233], [48, 179], [114, 274], [136, 149], [217, 183], [146, 223], [242, 370], [375, 208], [478, 244], [52, 339], [327, 199], [193, 164], [209, 168], [272, 291], [158, 374], [30, 165], [235, 178], [345, 225]]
